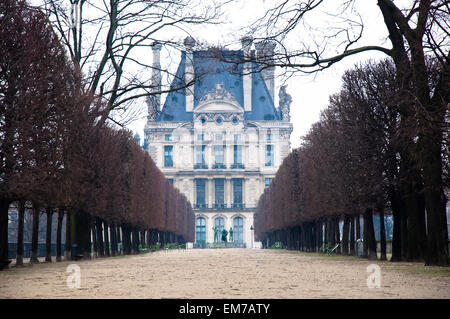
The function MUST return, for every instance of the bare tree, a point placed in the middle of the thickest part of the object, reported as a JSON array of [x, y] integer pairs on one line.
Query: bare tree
[[110, 42], [419, 31]]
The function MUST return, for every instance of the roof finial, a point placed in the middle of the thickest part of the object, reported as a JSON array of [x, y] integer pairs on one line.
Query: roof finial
[[189, 43]]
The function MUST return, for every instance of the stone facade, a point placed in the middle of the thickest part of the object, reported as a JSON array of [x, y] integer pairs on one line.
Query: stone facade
[[218, 153]]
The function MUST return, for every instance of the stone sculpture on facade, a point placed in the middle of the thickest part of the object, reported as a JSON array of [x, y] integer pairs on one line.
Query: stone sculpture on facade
[[285, 103]]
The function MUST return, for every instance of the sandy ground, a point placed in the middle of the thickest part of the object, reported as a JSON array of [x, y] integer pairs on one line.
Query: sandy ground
[[225, 273]]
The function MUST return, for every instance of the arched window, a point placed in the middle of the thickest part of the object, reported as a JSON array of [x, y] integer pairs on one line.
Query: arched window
[[238, 230], [200, 230]]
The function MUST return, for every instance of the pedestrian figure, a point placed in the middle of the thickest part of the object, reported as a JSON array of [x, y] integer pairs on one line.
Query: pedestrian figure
[[231, 234]]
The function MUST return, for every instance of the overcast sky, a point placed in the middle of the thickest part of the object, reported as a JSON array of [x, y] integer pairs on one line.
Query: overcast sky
[[309, 93]]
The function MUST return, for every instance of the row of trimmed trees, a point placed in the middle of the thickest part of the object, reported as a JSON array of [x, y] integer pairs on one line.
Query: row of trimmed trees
[[350, 166], [56, 155]]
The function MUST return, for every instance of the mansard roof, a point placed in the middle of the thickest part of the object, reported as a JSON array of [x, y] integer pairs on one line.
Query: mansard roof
[[211, 71]]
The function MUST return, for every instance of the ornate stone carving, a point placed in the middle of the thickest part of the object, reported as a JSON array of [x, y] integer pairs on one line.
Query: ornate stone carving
[[152, 108], [215, 115], [285, 103], [218, 93]]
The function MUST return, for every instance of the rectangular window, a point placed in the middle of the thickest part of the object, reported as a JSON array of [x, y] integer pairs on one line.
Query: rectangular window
[[269, 155], [168, 160], [200, 191], [237, 190], [267, 182], [171, 181], [237, 138], [219, 137], [219, 191], [200, 137], [168, 137], [269, 136], [237, 154], [200, 154], [218, 154]]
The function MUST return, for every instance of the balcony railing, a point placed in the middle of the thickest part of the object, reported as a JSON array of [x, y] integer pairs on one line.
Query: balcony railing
[[219, 166], [219, 206]]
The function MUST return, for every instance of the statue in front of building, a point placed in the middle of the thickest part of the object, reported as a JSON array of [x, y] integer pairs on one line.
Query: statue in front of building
[[216, 234], [224, 235], [231, 234]]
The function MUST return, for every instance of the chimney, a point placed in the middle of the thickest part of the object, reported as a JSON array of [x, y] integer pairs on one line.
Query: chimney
[[154, 101], [156, 73], [264, 56], [247, 76], [189, 44]]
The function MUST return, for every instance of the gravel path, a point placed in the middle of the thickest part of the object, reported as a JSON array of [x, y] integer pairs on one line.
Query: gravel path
[[225, 273]]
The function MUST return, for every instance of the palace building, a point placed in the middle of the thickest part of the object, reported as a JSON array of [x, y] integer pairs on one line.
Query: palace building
[[220, 138]]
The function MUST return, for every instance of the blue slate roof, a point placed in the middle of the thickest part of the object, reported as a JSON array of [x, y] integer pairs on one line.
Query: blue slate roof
[[209, 71]]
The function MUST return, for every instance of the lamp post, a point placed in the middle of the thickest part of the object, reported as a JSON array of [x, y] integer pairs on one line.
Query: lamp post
[[251, 228]]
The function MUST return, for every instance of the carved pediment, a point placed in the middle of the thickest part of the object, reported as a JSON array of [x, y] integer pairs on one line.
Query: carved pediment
[[218, 100]]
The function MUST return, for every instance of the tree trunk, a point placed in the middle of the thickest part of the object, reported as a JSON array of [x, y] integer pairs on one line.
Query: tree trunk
[[35, 235], [365, 238], [19, 251], [58, 234], [352, 235], [106, 235], [48, 235], [68, 241], [99, 231], [112, 230], [415, 208], [397, 231], [80, 235], [358, 233], [435, 201], [319, 234], [149, 233], [331, 230], [380, 210], [94, 237], [4, 207], [345, 234], [126, 238], [120, 238], [134, 242], [337, 235], [404, 233], [371, 242]]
